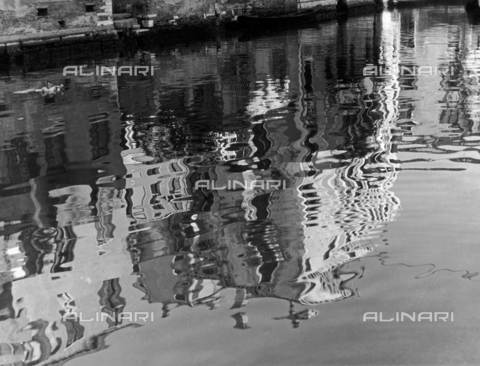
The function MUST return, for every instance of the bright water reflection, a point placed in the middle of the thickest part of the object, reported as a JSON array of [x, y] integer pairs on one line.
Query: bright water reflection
[[100, 214]]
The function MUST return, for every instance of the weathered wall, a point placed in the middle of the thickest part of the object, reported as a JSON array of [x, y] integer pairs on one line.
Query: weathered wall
[[166, 9], [326, 4], [20, 16]]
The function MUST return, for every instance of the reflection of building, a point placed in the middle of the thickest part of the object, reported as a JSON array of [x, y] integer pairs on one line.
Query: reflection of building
[[446, 77], [249, 239], [155, 191], [231, 146], [58, 240]]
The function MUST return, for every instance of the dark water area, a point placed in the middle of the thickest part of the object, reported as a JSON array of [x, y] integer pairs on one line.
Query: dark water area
[[250, 202]]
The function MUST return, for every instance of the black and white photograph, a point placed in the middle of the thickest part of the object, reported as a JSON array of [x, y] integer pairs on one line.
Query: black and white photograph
[[239, 182]]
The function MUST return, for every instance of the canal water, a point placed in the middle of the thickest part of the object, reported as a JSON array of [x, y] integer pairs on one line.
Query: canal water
[[298, 197]]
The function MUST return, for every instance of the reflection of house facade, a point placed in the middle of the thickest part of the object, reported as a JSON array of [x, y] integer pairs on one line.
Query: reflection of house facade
[[58, 241], [98, 209], [248, 239], [449, 81], [153, 191]]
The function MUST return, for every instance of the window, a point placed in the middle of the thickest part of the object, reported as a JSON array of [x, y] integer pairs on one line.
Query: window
[[42, 12], [89, 8]]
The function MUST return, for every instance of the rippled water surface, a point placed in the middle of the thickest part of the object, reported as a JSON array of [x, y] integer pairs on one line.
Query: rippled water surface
[[249, 202]]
